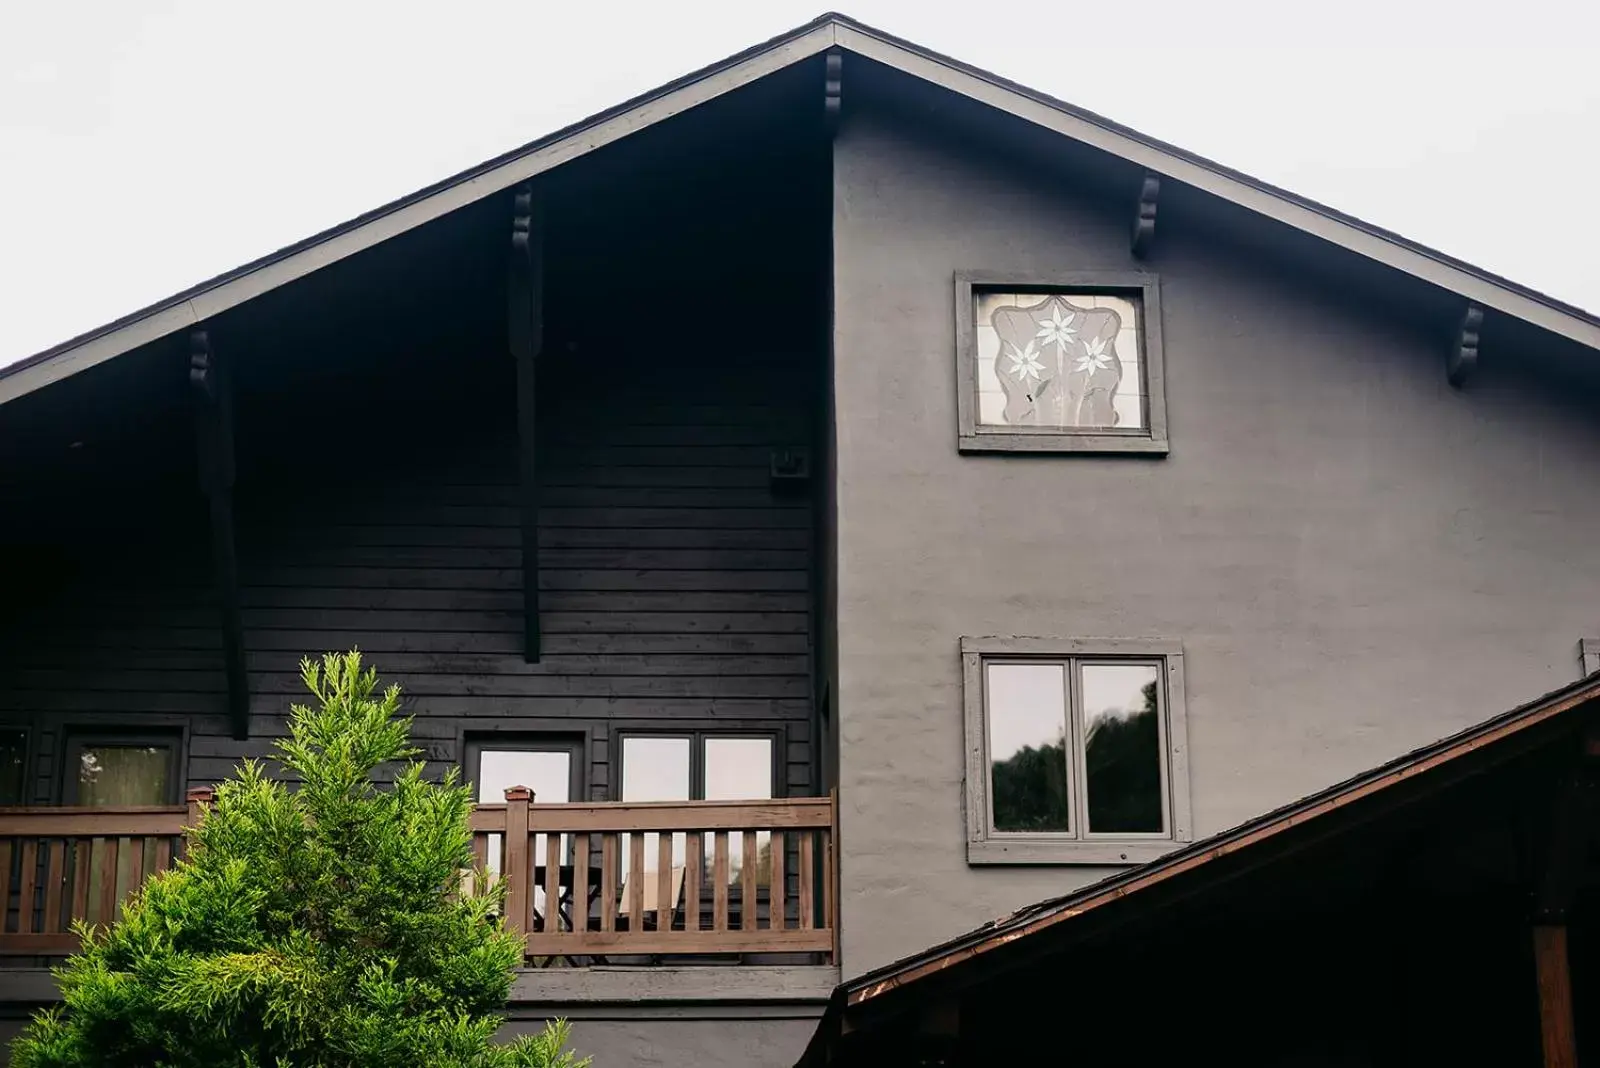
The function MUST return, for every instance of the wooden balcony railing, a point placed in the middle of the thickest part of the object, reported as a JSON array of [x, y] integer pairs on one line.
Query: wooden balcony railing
[[588, 883], [669, 878], [63, 864]]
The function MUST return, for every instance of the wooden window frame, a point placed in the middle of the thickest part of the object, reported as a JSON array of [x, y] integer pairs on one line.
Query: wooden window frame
[[30, 752], [575, 745], [75, 738], [1143, 289], [697, 758], [1078, 846]]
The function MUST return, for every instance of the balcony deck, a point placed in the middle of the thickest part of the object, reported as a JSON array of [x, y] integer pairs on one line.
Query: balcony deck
[[751, 882]]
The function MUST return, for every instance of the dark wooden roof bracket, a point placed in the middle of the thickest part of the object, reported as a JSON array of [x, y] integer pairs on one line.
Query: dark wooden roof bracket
[[212, 390], [1463, 358], [832, 89], [525, 330], [1144, 217]]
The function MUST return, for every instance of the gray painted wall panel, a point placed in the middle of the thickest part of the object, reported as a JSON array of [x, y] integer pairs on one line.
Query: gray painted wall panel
[[1357, 558], [673, 1043]]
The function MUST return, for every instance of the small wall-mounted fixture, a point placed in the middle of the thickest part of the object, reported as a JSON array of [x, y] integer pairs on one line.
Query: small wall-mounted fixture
[[790, 468]]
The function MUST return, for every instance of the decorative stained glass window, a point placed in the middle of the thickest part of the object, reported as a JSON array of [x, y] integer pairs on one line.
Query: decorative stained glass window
[[1059, 360], [1060, 365]]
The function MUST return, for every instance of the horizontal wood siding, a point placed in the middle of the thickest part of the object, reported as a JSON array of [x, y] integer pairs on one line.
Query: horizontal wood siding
[[377, 491], [676, 583]]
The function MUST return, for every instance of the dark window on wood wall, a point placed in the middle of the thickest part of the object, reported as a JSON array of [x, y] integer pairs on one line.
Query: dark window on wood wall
[[105, 769]]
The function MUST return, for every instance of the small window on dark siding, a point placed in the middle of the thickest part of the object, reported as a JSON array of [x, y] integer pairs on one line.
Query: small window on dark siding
[[1076, 750], [113, 770]]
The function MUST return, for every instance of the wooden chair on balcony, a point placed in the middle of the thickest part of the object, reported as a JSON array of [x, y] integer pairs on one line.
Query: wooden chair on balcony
[[654, 914]]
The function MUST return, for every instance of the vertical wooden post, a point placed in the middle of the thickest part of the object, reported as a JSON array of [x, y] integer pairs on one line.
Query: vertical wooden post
[[213, 425], [719, 881], [110, 868], [1555, 889], [1555, 996], [748, 912], [778, 880], [609, 846], [515, 869], [525, 331], [830, 860], [694, 855], [199, 799]]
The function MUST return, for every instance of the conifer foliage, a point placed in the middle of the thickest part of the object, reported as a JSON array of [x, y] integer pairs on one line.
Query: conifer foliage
[[316, 926]]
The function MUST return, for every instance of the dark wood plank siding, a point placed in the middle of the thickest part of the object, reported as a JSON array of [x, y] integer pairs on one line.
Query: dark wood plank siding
[[676, 582], [377, 491]]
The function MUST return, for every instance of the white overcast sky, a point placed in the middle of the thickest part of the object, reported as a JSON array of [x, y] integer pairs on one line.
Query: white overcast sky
[[145, 146]]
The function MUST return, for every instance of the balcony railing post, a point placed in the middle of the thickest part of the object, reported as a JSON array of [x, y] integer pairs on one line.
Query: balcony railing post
[[832, 877], [515, 869], [199, 799]]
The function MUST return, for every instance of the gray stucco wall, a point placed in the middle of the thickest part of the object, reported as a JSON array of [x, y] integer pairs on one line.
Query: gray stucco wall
[[647, 1041], [1357, 558], [640, 1041]]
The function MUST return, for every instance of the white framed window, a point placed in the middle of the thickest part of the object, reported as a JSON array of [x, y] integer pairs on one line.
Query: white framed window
[[702, 765], [1077, 750]]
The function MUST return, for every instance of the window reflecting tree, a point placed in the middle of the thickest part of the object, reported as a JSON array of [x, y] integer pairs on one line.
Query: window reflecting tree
[[1123, 764], [1030, 789]]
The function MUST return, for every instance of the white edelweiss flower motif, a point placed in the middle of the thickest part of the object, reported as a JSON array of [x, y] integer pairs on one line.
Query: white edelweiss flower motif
[[1024, 362], [1095, 357], [1058, 330]]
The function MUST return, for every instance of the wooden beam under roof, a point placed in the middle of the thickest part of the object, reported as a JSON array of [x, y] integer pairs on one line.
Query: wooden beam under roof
[[212, 389], [525, 330]]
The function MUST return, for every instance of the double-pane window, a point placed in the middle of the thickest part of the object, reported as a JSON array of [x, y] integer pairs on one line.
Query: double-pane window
[[701, 766], [1077, 750]]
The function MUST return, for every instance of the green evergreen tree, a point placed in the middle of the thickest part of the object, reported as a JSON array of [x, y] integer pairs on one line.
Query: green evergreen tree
[[309, 927]]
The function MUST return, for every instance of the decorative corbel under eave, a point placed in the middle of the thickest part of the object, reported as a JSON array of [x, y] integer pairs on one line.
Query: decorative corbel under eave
[[1144, 218], [212, 389], [832, 89], [526, 333], [1463, 358]]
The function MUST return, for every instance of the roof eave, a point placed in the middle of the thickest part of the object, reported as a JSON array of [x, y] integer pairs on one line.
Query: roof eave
[[209, 298], [216, 295], [1472, 283]]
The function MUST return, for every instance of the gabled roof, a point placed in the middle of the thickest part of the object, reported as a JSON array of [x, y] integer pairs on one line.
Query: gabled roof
[[1429, 767], [828, 32]]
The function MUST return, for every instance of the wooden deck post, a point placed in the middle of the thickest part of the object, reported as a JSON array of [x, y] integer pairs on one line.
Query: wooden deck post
[[1572, 816], [199, 799], [515, 869], [1551, 967]]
